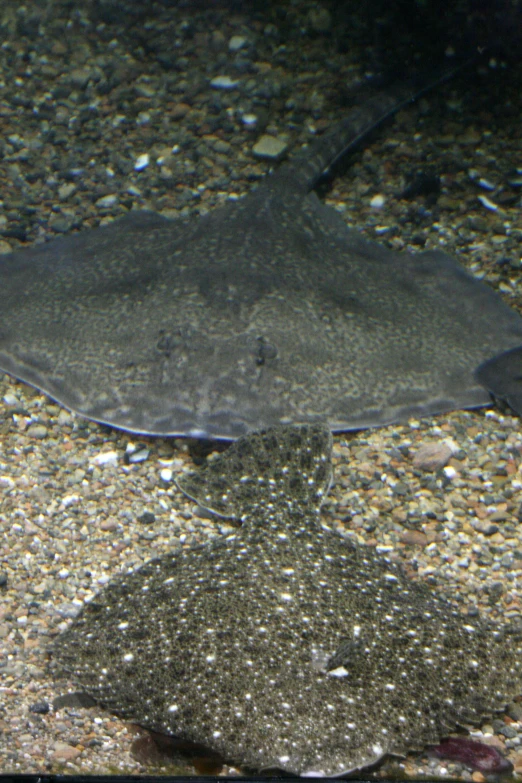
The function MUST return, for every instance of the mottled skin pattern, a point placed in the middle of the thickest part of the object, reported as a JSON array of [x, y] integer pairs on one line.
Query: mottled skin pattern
[[282, 645], [266, 311]]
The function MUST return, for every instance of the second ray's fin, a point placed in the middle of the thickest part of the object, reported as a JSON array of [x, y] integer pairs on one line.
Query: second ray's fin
[[502, 377]]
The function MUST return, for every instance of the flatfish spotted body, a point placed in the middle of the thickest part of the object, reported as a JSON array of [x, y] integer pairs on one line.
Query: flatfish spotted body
[[282, 645]]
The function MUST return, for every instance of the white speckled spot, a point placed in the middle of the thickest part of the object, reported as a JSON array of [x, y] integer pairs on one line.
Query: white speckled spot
[[340, 671]]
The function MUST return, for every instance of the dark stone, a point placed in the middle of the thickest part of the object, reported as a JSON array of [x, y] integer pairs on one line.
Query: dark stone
[[147, 518], [40, 708]]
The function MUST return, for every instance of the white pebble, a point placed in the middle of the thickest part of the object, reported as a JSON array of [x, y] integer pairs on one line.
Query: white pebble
[[377, 202], [484, 200], [106, 458], [69, 500], [107, 201], [139, 456], [236, 43], [223, 83], [486, 184], [449, 472], [249, 119], [166, 475], [142, 161], [269, 147]]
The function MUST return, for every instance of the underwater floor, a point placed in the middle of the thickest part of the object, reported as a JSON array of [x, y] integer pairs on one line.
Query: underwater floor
[[79, 502]]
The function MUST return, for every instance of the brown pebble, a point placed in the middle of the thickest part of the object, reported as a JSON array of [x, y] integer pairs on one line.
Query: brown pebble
[[517, 764], [109, 524], [432, 456], [414, 538], [179, 110], [478, 777], [64, 752], [59, 48], [432, 536], [495, 742]]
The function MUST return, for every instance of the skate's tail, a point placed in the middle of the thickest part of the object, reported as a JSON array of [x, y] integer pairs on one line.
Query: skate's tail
[[305, 168]]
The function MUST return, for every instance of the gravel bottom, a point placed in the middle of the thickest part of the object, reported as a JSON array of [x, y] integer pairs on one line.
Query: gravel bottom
[[76, 512], [94, 125]]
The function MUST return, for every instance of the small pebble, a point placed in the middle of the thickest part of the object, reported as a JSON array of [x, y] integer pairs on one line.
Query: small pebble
[[147, 518], [432, 456], [269, 147], [138, 456], [66, 191], [38, 431], [64, 753], [236, 43], [249, 120], [377, 201], [223, 83], [106, 458], [486, 184], [485, 201], [142, 161], [40, 708], [105, 202]]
